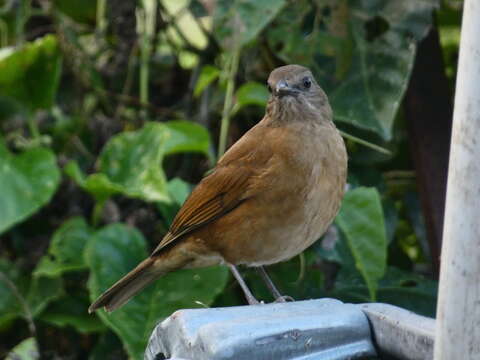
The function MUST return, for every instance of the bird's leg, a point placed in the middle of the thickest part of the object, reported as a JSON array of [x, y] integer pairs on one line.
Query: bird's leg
[[271, 286], [248, 294]]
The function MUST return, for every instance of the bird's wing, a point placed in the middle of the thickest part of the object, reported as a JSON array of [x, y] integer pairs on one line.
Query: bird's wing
[[220, 192]]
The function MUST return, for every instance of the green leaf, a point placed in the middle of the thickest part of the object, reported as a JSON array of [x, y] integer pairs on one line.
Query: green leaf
[[26, 350], [66, 245], [82, 11], [9, 305], [178, 191], [9, 108], [362, 55], [130, 163], [409, 290], [108, 343], [398, 287], [98, 185], [250, 93], [30, 74], [28, 180], [72, 169], [102, 188], [370, 94], [362, 222], [373, 88], [117, 249], [37, 292], [236, 23], [208, 75], [42, 291], [72, 311], [186, 136], [197, 8]]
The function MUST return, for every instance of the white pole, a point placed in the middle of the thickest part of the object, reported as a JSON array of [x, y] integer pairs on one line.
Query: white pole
[[457, 333]]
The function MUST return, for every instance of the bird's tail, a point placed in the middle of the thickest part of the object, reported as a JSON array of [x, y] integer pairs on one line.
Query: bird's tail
[[128, 286]]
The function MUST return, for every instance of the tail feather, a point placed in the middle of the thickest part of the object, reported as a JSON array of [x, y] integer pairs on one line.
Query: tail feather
[[127, 287]]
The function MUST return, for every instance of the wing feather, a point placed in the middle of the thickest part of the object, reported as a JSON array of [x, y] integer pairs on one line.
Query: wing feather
[[217, 194], [228, 186]]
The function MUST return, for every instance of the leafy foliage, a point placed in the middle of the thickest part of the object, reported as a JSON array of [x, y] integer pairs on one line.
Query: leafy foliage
[[250, 93], [239, 24], [116, 249], [361, 220], [70, 311], [207, 76], [35, 292], [28, 182], [130, 162], [26, 350], [109, 114], [362, 53], [30, 73], [65, 250]]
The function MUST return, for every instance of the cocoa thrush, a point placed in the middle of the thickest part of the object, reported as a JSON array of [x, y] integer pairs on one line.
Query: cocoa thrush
[[272, 194]]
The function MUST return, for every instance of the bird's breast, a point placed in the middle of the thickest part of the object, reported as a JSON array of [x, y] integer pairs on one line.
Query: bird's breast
[[318, 177], [301, 194]]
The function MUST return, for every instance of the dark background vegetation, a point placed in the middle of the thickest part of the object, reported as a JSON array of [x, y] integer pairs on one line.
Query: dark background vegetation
[[110, 111]]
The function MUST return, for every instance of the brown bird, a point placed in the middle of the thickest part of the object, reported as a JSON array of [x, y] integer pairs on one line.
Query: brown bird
[[272, 194]]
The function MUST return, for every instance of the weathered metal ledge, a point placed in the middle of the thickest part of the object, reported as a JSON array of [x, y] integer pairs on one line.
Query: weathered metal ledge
[[324, 329]]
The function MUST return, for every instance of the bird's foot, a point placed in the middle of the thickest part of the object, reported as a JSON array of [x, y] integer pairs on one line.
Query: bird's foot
[[252, 301], [284, 299]]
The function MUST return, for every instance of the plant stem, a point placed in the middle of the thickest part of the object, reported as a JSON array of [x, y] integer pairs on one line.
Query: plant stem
[[144, 79], [365, 143], [227, 105], [32, 126], [3, 33], [101, 22], [146, 19], [301, 273], [128, 79], [97, 212]]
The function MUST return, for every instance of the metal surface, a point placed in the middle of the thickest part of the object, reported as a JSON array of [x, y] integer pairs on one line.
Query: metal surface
[[324, 329], [400, 333]]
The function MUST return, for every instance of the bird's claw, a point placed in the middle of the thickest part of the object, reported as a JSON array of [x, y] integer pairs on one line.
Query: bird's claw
[[283, 299]]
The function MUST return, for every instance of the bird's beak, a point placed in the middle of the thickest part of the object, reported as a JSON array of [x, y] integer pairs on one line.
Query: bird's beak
[[282, 88]]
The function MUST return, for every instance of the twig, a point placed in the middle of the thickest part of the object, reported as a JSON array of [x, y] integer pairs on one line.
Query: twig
[[81, 147], [365, 143], [301, 273], [128, 80]]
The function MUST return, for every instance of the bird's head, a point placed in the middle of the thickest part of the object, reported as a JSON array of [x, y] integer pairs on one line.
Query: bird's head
[[294, 93]]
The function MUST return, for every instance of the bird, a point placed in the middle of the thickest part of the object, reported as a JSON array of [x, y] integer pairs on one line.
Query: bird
[[269, 197]]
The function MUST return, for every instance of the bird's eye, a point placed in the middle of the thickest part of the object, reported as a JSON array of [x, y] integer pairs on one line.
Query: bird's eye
[[307, 83], [269, 88]]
